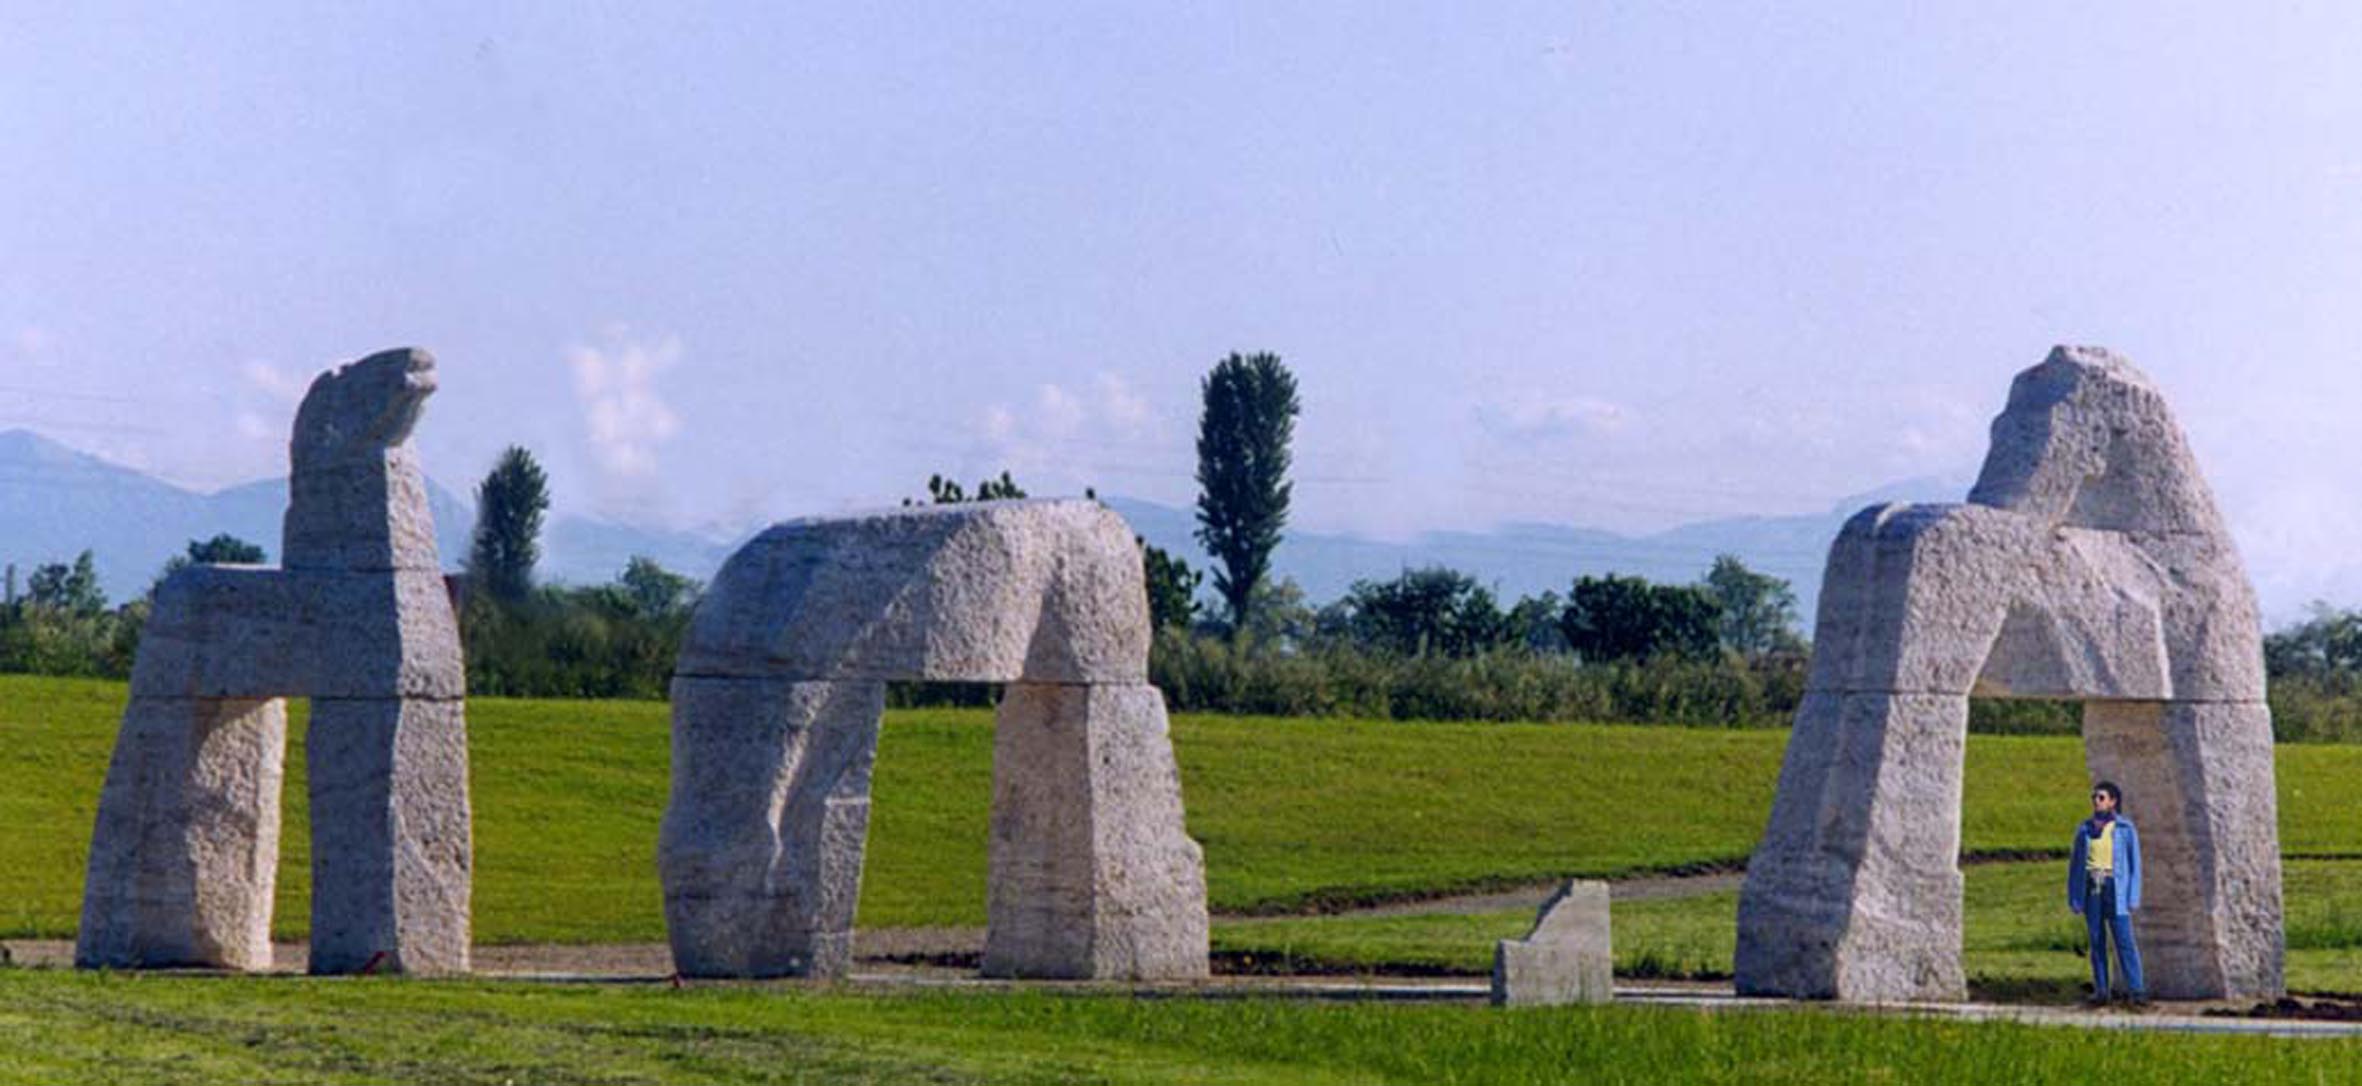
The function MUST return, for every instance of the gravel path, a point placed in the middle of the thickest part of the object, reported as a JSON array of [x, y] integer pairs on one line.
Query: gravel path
[[651, 963], [915, 946]]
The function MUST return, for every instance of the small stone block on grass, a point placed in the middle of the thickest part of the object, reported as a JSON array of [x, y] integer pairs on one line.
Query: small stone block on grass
[[1569, 957]]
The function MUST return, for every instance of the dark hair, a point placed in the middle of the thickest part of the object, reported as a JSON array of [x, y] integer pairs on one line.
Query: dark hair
[[2115, 794]]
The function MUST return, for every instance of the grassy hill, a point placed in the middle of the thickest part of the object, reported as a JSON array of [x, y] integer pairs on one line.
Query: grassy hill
[[1293, 813]]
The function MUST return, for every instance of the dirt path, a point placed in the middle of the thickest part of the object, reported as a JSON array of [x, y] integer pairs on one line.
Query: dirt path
[[611, 961], [1531, 896], [911, 946], [651, 963]]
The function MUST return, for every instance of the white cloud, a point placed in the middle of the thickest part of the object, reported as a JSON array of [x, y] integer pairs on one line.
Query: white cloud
[[1572, 416], [1066, 438], [1061, 413], [273, 382], [1125, 409], [624, 415]]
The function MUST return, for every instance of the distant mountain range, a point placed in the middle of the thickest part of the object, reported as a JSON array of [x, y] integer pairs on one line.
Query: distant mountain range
[[56, 501], [1524, 559]]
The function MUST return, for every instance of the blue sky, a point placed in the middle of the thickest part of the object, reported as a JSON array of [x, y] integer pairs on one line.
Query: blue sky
[[1618, 265]]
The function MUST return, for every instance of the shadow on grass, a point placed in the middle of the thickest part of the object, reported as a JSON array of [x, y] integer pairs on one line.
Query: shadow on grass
[[2027, 990]]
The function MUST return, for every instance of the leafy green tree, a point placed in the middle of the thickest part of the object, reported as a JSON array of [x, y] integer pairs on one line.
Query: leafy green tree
[[1534, 623], [510, 504], [943, 490], [1279, 617], [654, 591], [1628, 618], [227, 550], [1433, 610], [1172, 587], [67, 589], [2326, 645], [1242, 473], [1755, 612], [221, 550]]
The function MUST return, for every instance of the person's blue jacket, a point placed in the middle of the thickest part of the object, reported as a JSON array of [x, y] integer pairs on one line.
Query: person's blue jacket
[[2128, 866]]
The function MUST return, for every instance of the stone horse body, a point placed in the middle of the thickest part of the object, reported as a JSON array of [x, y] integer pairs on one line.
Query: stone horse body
[[2090, 563], [776, 705], [184, 858]]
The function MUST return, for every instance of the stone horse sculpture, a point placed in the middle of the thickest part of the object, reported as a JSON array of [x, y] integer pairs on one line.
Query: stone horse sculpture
[[776, 706], [2090, 563], [186, 850]]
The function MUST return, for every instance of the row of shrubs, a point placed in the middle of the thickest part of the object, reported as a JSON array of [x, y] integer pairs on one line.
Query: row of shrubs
[[601, 643], [1203, 674], [1206, 674]]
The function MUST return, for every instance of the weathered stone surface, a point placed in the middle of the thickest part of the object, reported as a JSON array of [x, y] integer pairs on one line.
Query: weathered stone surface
[[1921, 611], [356, 497], [246, 631], [1049, 591], [2090, 564], [392, 851], [361, 621], [775, 714], [186, 854], [2210, 920], [1092, 876], [1857, 901], [1569, 957], [2086, 439], [761, 847]]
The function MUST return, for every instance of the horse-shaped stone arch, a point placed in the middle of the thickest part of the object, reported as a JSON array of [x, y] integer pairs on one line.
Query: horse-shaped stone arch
[[2090, 563], [777, 701], [185, 854]]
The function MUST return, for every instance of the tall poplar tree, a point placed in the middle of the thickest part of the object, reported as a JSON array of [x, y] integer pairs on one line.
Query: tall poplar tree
[[1242, 473], [510, 503]]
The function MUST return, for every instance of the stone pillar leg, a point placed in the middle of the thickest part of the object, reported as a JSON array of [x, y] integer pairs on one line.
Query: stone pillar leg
[[1859, 897], [761, 847], [391, 829], [2197, 780], [1092, 872], [1793, 905], [185, 855]]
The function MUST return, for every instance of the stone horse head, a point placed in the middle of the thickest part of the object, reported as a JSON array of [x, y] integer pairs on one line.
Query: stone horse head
[[363, 408], [2087, 441]]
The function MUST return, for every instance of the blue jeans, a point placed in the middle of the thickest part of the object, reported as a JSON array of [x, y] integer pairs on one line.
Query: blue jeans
[[2102, 921]]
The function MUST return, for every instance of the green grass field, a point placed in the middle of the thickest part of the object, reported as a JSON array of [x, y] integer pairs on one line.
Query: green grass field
[[2018, 937], [1293, 813], [69, 1027]]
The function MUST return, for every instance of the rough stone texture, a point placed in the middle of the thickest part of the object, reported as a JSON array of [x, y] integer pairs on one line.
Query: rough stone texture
[[1047, 591], [1569, 957], [183, 859], [391, 851], [1092, 876], [223, 631], [775, 714], [356, 497], [2090, 563], [187, 842], [2185, 768], [760, 852]]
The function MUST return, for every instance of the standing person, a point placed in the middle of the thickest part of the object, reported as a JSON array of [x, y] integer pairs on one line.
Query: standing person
[[2104, 884]]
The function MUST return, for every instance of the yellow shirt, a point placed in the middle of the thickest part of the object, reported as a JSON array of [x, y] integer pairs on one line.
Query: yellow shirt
[[2100, 857]]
